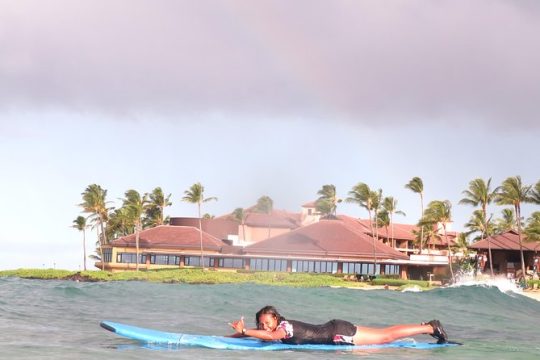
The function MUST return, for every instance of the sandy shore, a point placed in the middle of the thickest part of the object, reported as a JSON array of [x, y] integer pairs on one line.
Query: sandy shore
[[533, 294]]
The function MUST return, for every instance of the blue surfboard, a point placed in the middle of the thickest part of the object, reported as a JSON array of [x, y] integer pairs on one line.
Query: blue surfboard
[[150, 336]]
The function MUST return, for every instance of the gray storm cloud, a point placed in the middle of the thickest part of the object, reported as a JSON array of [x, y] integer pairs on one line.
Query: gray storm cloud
[[354, 60]]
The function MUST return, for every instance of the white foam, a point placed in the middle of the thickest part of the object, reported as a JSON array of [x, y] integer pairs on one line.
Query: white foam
[[500, 282], [414, 288]]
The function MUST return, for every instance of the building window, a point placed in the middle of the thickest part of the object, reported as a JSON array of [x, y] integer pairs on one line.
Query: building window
[[314, 266], [391, 269], [234, 263], [165, 259], [268, 265], [196, 261], [107, 255], [130, 258], [361, 268]]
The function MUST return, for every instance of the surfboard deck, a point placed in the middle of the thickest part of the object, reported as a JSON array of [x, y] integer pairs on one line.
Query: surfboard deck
[[151, 336]]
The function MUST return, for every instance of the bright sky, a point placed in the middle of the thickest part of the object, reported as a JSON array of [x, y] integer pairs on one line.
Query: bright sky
[[258, 98]]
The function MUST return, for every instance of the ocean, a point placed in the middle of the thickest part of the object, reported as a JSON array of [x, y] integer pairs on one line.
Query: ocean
[[60, 319]]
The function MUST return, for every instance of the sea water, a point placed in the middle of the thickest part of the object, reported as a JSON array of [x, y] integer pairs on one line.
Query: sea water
[[60, 319]]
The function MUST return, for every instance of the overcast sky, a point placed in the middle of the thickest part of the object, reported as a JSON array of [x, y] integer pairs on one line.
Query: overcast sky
[[256, 98]]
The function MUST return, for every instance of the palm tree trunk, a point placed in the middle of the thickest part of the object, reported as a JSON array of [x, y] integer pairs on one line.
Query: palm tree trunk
[[373, 241], [518, 221], [200, 235], [449, 254], [100, 241], [84, 249], [485, 229], [392, 241], [137, 246], [421, 227]]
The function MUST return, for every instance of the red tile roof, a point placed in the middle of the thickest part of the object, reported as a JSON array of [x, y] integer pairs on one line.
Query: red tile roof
[[401, 231], [506, 241], [220, 227], [168, 236], [325, 238], [310, 204]]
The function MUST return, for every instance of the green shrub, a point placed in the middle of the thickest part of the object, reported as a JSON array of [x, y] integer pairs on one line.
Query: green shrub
[[399, 282]]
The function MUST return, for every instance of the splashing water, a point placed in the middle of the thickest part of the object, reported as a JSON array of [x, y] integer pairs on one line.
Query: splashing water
[[500, 282]]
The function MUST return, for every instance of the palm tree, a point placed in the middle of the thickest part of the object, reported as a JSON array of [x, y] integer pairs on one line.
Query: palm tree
[[478, 224], [416, 185], [240, 215], [95, 204], [513, 192], [363, 196], [480, 194], [535, 193], [390, 206], [80, 224], [427, 229], [157, 202], [265, 205], [441, 212], [532, 230], [119, 224], [195, 195], [376, 200], [135, 206], [327, 202], [383, 221], [507, 222]]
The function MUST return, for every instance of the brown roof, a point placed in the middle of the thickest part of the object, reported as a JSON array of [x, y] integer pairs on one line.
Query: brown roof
[[277, 219], [325, 238], [168, 236], [506, 241]]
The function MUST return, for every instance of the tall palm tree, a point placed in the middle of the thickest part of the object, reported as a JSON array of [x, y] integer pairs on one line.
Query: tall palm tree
[[390, 206], [195, 195], [327, 202], [157, 202], [80, 224], [265, 205], [135, 206], [240, 215], [441, 212], [514, 192], [416, 185], [95, 204], [480, 194], [363, 196]]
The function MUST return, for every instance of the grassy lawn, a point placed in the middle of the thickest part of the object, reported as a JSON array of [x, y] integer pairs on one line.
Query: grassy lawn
[[189, 276], [210, 276]]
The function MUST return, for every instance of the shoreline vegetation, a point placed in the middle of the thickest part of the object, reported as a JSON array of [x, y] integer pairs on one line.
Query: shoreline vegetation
[[210, 277]]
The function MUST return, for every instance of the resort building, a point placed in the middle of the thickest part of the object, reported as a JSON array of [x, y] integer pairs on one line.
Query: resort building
[[280, 241], [505, 251]]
